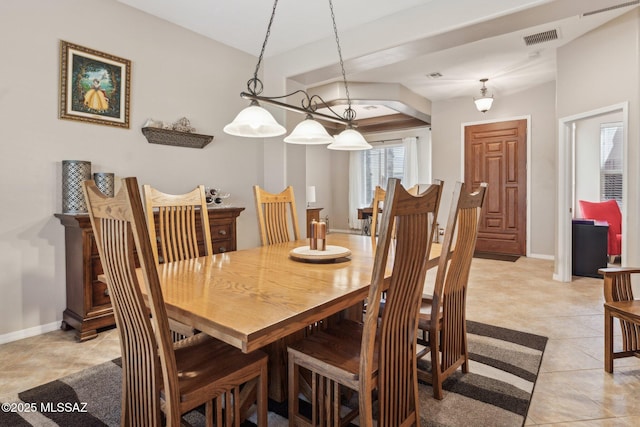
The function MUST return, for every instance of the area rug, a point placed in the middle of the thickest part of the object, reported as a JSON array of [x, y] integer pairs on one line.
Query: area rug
[[497, 392], [496, 257]]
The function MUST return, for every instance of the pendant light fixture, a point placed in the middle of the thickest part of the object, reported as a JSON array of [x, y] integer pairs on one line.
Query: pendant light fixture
[[309, 132], [483, 104], [256, 122]]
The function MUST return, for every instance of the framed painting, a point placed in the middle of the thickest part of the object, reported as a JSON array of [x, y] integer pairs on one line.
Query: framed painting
[[94, 86]]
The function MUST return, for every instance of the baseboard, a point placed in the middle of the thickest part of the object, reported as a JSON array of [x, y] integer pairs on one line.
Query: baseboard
[[350, 231], [542, 256], [29, 332]]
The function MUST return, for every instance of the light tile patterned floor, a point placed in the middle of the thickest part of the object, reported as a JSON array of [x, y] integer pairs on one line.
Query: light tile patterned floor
[[572, 388]]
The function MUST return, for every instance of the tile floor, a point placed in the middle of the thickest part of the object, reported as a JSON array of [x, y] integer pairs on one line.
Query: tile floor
[[572, 388]]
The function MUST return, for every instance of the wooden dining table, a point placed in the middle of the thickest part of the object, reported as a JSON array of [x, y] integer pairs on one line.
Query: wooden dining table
[[256, 298], [253, 297]]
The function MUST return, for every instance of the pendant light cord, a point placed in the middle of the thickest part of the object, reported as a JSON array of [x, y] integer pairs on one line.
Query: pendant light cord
[[254, 85], [349, 113]]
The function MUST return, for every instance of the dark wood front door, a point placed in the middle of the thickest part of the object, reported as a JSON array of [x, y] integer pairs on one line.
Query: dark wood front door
[[496, 153]]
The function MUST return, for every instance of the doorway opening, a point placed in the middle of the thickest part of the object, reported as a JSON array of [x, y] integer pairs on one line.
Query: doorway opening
[[568, 138]]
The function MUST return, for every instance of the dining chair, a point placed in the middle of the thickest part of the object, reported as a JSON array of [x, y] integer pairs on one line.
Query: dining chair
[[274, 211], [378, 200], [378, 353], [619, 302], [161, 380], [177, 219], [173, 223], [442, 317]]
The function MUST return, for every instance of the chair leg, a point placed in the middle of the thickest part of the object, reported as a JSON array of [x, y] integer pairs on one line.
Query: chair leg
[[228, 406], [293, 387], [294, 404], [608, 341], [263, 392], [436, 377], [465, 350], [218, 409], [208, 413]]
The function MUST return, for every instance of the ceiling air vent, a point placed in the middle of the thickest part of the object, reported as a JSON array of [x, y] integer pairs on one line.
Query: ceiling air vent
[[543, 37], [606, 9]]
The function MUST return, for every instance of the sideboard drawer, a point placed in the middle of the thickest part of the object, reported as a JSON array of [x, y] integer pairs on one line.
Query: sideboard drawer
[[222, 246], [221, 231], [100, 294]]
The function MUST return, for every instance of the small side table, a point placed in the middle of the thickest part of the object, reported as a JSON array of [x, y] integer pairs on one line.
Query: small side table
[[312, 213], [589, 251], [365, 214]]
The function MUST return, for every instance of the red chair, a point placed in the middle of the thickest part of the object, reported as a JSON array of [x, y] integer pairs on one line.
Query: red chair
[[608, 212]]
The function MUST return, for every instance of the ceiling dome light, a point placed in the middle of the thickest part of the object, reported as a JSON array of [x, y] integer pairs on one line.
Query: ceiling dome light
[[483, 104], [254, 122], [309, 132], [349, 140]]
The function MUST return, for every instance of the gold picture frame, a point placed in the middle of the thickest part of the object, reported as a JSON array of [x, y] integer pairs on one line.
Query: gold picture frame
[[94, 86]]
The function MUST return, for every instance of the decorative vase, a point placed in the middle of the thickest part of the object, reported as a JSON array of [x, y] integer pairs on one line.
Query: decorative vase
[[73, 173], [105, 182]]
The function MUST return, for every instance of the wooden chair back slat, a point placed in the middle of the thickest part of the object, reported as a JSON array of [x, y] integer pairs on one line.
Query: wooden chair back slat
[[277, 216], [395, 332], [177, 218]]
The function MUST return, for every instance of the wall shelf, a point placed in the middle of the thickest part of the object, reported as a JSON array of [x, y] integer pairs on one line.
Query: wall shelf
[[176, 138]]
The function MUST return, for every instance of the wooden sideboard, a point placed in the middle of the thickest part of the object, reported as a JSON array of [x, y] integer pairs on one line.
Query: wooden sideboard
[[88, 304]]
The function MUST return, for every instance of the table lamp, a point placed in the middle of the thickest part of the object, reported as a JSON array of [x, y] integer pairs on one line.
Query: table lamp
[[311, 195]]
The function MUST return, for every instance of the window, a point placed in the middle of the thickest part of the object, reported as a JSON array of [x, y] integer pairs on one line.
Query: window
[[611, 162], [380, 164]]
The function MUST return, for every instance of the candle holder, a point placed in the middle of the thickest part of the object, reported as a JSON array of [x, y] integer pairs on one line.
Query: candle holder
[[105, 182], [73, 173]]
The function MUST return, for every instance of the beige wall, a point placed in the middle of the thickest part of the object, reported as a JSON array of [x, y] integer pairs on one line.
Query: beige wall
[[175, 73], [446, 139], [598, 70]]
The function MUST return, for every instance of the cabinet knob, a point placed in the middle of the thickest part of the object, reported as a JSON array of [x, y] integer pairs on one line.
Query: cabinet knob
[[222, 249], [222, 232], [106, 292]]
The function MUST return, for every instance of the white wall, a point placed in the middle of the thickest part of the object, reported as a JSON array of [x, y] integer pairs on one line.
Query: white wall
[[175, 73], [538, 103]]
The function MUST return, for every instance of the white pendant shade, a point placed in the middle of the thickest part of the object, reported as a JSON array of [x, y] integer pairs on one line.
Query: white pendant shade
[[254, 122], [309, 132], [350, 140], [484, 104]]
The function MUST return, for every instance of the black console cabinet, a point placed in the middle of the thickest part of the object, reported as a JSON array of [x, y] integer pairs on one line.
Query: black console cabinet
[[589, 252]]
